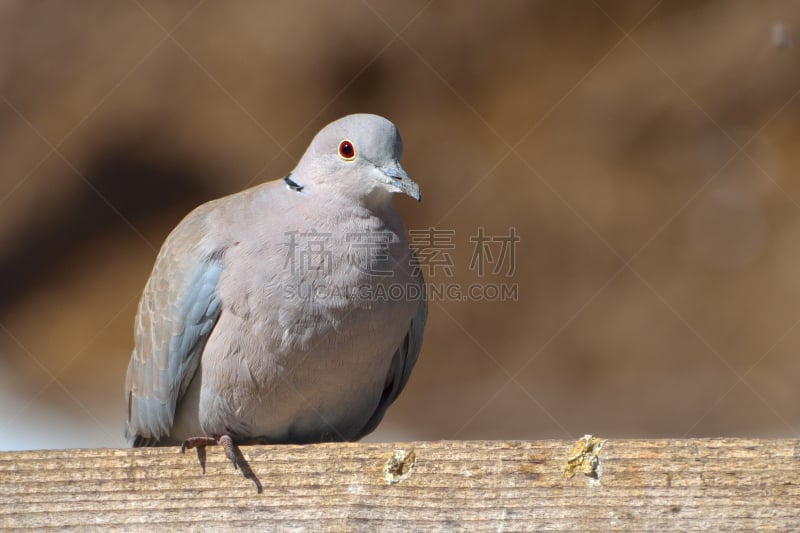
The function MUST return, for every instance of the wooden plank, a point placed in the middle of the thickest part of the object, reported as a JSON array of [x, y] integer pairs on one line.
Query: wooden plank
[[718, 484]]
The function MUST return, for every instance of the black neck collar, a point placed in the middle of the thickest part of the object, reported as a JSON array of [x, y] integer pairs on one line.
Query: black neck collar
[[292, 184]]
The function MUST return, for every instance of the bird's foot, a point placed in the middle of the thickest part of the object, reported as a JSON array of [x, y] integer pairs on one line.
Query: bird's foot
[[232, 452], [197, 442], [200, 443]]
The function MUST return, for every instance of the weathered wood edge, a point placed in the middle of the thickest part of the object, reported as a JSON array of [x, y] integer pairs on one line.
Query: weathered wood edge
[[444, 485]]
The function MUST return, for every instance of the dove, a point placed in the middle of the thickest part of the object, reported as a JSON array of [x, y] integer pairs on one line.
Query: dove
[[290, 312]]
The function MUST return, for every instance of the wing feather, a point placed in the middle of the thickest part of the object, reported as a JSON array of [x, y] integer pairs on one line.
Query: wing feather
[[177, 313]]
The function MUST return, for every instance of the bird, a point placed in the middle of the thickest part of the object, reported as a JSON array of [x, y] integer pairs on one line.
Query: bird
[[291, 312]]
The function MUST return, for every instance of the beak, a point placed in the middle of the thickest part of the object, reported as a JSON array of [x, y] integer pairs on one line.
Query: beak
[[398, 177]]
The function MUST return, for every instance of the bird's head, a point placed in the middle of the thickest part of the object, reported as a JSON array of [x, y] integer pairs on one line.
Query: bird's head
[[358, 155]]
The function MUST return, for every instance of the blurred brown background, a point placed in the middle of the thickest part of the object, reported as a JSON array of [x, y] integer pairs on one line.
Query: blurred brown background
[[645, 152]]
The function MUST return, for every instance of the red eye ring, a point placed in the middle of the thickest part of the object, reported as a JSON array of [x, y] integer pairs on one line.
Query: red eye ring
[[346, 150]]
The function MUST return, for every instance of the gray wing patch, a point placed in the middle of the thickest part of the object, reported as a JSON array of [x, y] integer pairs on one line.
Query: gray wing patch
[[174, 323], [201, 309]]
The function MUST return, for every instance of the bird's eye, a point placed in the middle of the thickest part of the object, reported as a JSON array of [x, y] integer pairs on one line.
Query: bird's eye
[[347, 151]]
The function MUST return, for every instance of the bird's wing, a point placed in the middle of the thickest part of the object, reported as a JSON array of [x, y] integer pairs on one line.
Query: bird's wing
[[402, 363], [178, 310]]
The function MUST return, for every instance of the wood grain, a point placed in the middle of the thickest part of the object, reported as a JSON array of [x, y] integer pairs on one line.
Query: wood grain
[[718, 484]]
